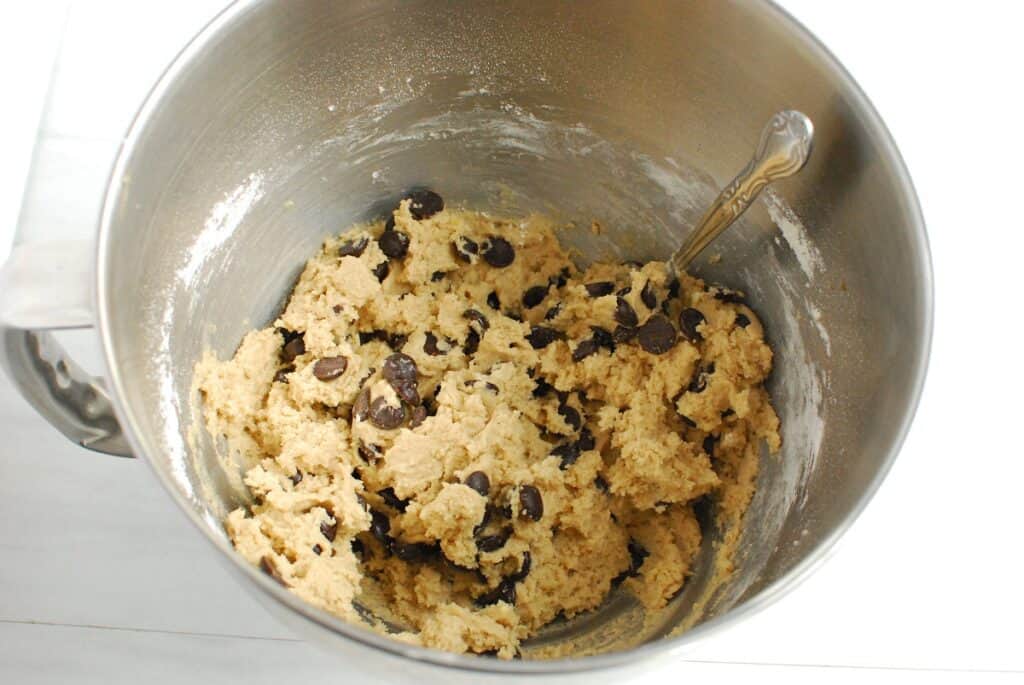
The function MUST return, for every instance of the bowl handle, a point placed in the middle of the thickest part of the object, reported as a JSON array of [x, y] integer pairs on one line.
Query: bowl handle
[[43, 287]]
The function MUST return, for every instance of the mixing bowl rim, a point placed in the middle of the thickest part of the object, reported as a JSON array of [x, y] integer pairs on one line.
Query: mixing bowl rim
[[118, 185]]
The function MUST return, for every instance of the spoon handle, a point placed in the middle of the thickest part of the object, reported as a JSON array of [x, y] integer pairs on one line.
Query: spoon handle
[[782, 151]]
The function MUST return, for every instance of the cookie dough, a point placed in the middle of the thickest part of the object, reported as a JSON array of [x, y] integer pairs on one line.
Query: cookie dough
[[456, 435]]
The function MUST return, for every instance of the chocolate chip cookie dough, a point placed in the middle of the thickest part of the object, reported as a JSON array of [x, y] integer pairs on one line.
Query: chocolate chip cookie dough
[[452, 428]]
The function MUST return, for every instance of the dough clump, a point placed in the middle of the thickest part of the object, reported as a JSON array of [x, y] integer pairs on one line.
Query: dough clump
[[452, 429]]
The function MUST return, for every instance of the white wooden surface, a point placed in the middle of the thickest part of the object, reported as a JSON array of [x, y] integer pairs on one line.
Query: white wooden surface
[[101, 580]]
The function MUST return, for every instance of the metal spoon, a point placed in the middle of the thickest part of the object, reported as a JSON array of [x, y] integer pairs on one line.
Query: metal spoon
[[782, 151]]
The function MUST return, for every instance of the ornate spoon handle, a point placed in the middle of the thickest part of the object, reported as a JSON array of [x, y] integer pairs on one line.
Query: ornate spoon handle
[[782, 151]]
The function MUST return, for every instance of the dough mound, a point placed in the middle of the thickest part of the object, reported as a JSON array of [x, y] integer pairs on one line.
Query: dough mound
[[455, 435]]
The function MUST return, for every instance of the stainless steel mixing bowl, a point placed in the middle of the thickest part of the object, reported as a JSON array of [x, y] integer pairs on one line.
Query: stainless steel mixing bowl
[[285, 121]]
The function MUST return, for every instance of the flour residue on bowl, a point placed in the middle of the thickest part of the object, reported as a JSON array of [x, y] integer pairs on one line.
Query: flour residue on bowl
[[222, 221], [224, 218], [795, 234]]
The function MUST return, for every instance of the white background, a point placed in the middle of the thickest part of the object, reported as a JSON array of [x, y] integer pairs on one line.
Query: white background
[[101, 580]]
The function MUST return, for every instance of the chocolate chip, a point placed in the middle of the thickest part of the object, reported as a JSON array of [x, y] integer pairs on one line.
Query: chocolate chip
[[648, 297], [530, 503], [625, 315], [479, 481], [552, 312], [408, 392], [282, 374], [709, 445], [584, 349], [571, 416], [361, 407], [673, 288], [430, 345], [728, 412], [542, 389], [413, 551], [603, 338], [541, 336], [568, 453], [329, 368], [586, 441], [399, 368], [472, 343], [370, 453], [534, 296], [389, 224], [600, 288], [424, 204], [625, 291], [296, 478], [329, 529], [561, 278], [492, 543], [657, 336], [294, 346], [353, 248], [396, 341], [505, 592], [419, 415], [393, 500], [317, 549], [475, 316], [601, 484], [395, 244], [465, 248], [742, 320], [493, 302], [366, 337], [700, 381], [381, 271], [380, 526], [386, 416], [437, 276], [492, 387], [524, 569], [268, 567], [499, 252], [623, 334], [505, 511], [637, 554], [689, 320]]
